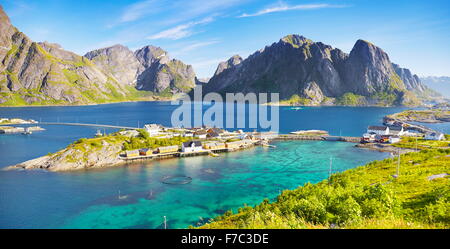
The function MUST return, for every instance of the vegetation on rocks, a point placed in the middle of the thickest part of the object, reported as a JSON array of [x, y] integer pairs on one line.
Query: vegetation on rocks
[[365, 197], [424, 116], [145, 141], [350, 99]]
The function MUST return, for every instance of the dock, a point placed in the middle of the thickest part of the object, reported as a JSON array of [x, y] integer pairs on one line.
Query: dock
[[318, 138]]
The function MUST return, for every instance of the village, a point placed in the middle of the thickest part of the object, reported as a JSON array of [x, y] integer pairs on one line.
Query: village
[[392, 133], [202, 141], [211, 140]]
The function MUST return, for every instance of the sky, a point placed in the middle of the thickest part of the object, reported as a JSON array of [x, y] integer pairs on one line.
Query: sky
[[415, 33]]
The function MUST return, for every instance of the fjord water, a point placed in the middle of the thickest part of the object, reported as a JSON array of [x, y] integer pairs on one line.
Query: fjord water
[[89, 199]]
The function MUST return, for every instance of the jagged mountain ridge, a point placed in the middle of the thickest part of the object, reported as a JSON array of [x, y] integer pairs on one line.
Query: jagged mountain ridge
[[319, 74], [149, 68], [43, 73]]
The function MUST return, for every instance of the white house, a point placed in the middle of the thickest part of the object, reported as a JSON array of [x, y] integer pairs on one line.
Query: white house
[[153, 129], [396, 130], [200, 134], [394, 139], [188, 134], [434, 136], [369, 137], [379, 130], [192, 146]]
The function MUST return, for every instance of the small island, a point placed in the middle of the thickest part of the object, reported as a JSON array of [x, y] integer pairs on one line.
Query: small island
[[421, 116]]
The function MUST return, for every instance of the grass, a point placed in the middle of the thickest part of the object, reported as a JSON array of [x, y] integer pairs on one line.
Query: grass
[[365, 197], [420, 143]]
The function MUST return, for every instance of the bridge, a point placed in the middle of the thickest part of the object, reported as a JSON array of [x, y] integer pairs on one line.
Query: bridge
[[91, 125]]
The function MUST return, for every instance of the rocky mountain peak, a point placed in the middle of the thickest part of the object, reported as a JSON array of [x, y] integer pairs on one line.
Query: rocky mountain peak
[[150, 54], [233, 61], [296, 40], [4, 19]]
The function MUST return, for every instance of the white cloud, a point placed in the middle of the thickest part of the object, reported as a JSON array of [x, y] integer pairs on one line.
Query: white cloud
[[284, 7], [180, 31], [137, 10], [194, 46]]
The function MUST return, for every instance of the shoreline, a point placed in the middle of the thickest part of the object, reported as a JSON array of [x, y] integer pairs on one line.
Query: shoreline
[[111, 154], [91, 104]]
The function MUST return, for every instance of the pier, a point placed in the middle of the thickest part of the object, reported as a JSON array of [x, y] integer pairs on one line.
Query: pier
[[317, 138]]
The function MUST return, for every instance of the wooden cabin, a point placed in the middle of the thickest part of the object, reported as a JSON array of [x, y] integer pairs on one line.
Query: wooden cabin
[[168, 149], [132, 153], [145, 152], [214, 146]]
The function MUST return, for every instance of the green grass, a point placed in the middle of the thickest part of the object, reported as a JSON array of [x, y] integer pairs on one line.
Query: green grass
[[350, 99], [412, 142], [365, 197]]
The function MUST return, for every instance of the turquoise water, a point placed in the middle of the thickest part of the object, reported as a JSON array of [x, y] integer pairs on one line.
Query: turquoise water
[[218, 185], [89, 199]]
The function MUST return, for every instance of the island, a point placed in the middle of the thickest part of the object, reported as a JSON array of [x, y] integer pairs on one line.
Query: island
[[421, 116]]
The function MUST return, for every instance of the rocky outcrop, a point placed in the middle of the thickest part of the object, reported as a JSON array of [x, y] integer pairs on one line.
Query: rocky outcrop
[[298, 66], [313, 92], [76, 158], [119, 61], [412, 82]]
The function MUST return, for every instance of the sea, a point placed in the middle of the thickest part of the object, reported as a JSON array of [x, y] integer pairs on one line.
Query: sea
[[137, 195]]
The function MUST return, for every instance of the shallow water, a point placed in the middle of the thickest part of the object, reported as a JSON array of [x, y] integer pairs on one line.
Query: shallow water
[[90, 199]]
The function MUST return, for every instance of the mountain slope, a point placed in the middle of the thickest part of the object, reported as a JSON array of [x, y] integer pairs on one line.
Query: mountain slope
[[149, 68], [316, 73], [34, 73], [439, 84]]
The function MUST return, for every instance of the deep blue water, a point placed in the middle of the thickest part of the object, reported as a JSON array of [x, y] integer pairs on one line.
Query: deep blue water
[[87, 199]]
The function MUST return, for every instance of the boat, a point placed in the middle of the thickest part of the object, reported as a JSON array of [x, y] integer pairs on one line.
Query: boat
[[27, 132], [98, 134], [296, 108], [213, 154]]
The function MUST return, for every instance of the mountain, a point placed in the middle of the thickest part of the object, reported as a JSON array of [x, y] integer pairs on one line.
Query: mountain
[[43, 73], [439, 84], [313, 73], [149, 68]]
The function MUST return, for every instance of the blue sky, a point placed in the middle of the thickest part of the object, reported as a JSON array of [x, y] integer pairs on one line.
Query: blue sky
[[415, 34]]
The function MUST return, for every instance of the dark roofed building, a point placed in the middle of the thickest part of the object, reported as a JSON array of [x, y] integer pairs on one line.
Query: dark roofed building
[[379, 130], [191, 146]]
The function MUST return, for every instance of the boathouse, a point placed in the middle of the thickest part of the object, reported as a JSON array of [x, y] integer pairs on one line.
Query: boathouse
[[132, 153], [145, 152], [214, 146], [234, 145], [168, 149]]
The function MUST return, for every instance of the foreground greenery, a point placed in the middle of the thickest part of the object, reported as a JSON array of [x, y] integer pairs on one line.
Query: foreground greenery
[[364, 197], [420, 143]]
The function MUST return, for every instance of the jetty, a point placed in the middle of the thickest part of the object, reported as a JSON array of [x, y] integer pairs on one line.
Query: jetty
[[317, 138]]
